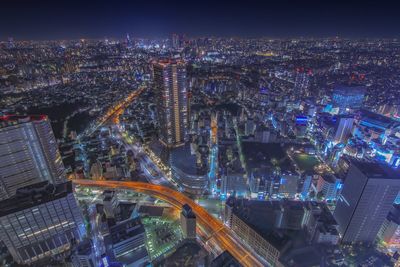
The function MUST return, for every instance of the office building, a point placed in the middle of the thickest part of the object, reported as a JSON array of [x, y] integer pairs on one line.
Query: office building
[[125, 243], [40, 221], [264, 225], [96, 170], [233, 179], [172, 101], [367, 196], [110, 204], [343, 129], [288, 184], [233, 183], [188, 222], [254, 221], [190, 170], [84, 255], [376, 121], [390, 230], [306, 180], [28, 153]]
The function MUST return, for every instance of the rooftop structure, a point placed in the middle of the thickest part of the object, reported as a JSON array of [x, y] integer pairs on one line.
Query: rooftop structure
[[125, 242], [377, 121], [348, 97], [28, 153], [41, 221], [34, 195]]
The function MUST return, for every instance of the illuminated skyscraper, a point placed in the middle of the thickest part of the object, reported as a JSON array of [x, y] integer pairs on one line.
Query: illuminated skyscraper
[[368, 193], [171, 100], [28, 153], [40, 221]]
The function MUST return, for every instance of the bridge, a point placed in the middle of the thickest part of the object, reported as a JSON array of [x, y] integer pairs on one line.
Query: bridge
[[214, 228]]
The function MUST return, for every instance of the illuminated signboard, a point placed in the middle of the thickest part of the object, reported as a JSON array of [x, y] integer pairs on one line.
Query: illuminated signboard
[[301, 120]]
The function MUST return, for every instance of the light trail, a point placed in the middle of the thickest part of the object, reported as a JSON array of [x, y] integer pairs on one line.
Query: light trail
[[116, 110], [216, 230]]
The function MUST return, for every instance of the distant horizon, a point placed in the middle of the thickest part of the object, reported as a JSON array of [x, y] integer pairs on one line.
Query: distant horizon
[[165, 37], [56, 20]]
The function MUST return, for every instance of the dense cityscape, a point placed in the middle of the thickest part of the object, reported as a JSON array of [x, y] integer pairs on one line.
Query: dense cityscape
[[200, 151]]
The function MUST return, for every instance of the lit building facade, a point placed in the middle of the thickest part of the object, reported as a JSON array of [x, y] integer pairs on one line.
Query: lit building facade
[[172, 101], [368, 193], [390, 230], [28, 153], [125, 243], [343, 130], [253, 229], [347, 97], [40, 221]]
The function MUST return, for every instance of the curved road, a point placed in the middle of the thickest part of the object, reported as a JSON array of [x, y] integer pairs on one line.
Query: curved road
[[214, 227]]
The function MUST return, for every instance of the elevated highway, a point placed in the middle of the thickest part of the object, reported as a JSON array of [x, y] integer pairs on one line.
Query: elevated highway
[[208, 224]]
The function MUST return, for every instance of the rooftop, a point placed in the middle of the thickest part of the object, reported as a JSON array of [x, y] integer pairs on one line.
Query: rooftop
[[8, 120], [126, 229], [371, 119], [182, 158], [374, 170], [349, 89], [257, 214], [33, 195]]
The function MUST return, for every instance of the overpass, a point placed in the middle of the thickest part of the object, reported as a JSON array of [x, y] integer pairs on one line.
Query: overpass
[[214, 228]]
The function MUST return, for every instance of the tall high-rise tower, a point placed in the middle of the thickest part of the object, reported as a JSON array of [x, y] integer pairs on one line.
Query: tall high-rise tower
[[343, 129], [368, 194], [28, 153], [171, 100]]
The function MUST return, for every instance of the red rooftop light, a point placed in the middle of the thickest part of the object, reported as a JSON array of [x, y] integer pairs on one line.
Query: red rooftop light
[[40, 117]]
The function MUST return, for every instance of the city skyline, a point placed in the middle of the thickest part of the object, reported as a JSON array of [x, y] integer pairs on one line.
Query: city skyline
[[199, 133], [47, 20]]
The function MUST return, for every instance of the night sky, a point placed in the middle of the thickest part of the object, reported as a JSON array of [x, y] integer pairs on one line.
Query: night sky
[[30, 19]]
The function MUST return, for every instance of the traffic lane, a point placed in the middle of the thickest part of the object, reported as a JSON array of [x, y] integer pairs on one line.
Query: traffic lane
[[177, 199]]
